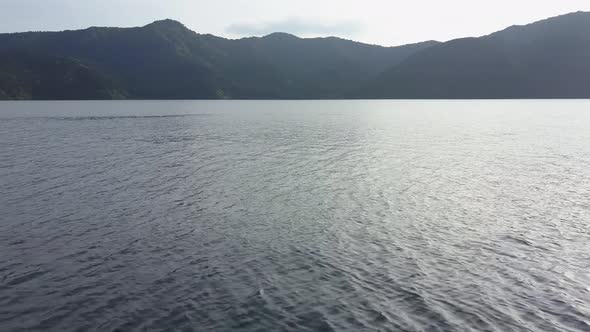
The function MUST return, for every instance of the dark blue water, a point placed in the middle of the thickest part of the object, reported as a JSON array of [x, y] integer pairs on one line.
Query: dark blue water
[[295, 216]]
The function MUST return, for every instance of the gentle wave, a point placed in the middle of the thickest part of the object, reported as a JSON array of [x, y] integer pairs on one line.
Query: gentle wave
[[319, 219]]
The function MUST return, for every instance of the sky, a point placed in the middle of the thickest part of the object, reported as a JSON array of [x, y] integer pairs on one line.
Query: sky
[[383, 22]]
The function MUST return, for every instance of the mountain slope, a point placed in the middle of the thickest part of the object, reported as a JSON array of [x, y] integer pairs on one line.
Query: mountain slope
[[151, 62], [165, 60], [325, 67], [26, 76], [546, 59]]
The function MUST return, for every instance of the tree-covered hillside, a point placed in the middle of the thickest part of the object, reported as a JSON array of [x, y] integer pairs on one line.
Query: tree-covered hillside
[[165, 60]]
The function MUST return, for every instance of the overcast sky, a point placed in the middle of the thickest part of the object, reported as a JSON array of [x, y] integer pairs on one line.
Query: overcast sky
[[385, 22]]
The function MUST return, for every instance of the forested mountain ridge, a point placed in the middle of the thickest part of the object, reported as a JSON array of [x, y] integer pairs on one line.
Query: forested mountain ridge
[[165, 60], [546, 59]]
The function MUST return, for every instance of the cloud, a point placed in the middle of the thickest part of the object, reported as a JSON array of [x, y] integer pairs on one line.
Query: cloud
[[296, 26]]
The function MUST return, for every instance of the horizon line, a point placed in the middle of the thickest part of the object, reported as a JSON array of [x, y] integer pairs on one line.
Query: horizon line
[[291, 34]]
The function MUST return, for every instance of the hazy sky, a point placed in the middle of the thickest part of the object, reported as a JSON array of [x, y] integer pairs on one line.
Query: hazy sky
[[385, 22]]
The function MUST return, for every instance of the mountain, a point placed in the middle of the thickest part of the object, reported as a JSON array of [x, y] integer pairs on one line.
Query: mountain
[[165, 60], [150, 62], [324, 67], [546, 59], [24, 76]]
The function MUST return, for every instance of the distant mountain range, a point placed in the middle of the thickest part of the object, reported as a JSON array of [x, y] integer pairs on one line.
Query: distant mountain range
[[165, 60]]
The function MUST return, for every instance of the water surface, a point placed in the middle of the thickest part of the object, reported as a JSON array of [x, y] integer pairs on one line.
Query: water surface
[[300, 216]]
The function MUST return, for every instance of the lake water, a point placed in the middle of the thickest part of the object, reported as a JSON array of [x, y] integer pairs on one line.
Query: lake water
[[300, 216]]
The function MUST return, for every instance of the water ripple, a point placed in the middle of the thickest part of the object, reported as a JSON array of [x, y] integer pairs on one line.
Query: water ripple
[[295, 216]]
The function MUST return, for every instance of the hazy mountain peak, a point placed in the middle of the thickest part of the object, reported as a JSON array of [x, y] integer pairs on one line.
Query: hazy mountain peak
[[570, 21], [167, 24], [280, 36], [544, 59]]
